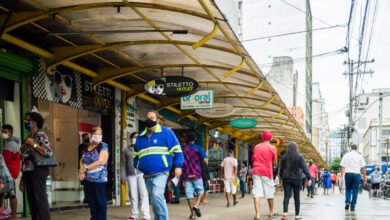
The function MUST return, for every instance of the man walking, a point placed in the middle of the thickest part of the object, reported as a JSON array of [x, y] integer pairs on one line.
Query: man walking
[[313, 170], [264, 159], [376, 181], [230, 165], [194, 155], [156, 151], [352, 164]]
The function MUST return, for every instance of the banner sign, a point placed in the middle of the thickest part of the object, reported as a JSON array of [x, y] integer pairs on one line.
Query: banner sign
[[171, 86], [219, 110], [243, 123], [203, 99]]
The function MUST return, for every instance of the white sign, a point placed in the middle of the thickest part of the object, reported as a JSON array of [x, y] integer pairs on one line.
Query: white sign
[[219, 110], [202, 99]]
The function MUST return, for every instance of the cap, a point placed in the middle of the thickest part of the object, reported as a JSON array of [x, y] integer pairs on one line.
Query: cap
[[310, 161], [267, 136]]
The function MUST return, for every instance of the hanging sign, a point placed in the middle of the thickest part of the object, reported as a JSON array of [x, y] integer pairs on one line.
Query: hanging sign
[[203, 99], [171, 86], [219, 110], [243, 123]]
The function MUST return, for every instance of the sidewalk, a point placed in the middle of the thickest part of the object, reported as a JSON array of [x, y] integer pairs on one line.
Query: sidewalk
[[321, 207]]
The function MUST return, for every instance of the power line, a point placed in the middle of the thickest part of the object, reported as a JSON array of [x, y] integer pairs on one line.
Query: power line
[[292, 33]]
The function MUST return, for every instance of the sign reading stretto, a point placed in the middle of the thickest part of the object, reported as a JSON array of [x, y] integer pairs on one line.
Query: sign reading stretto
[[203, 99], [219, 110], [171, 86]]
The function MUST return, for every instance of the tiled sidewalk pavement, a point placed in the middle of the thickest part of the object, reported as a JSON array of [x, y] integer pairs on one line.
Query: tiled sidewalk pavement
[[321, 207]]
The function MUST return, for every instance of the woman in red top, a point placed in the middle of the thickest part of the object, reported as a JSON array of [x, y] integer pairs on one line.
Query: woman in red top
[[334, 181]]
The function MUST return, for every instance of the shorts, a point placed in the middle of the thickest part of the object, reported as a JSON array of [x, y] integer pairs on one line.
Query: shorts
[[375, 186], [229, 186], [263, 187], [11, 194], [193, 186], [333, 183], [206, 185]]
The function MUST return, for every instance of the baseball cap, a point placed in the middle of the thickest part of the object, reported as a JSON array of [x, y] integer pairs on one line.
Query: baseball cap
[[267, 136]]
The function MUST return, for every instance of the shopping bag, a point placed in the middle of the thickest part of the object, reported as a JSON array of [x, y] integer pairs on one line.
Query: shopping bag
[[6, 180]]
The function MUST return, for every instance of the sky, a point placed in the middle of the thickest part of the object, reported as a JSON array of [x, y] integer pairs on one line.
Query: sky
[[328, 71]]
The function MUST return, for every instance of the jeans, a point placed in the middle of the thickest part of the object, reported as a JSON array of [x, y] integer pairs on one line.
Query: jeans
[[289, 187], [156, 188], [97, 200], [137, 189], [242, 188], [35, 183], [176, 191], [193, 186], [352, 182], [311, 188]]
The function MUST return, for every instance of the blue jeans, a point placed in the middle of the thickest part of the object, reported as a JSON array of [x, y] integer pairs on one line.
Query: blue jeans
[[97, 199], [352, 182], [192, 186], [177, 194], [156, 188], [242, 188]]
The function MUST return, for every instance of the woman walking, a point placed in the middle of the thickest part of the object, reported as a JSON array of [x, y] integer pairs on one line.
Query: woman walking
[[93, 169], [290, 172], [34, 177], [135, 181], [327, 182], [243, 172]]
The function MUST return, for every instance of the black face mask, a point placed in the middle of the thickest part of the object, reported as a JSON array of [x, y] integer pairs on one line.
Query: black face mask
[[150, 123]]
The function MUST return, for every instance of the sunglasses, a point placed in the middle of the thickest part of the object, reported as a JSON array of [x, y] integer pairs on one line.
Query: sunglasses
[[59, 78]]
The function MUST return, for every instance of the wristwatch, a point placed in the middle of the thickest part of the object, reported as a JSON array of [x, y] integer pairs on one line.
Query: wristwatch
[[35, 145]]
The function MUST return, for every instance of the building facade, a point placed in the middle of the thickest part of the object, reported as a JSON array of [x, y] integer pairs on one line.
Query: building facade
[[372, 145], [320, 125], [261, 22]]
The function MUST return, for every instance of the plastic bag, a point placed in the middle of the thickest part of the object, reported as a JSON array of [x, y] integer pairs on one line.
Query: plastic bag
[[6, 180]]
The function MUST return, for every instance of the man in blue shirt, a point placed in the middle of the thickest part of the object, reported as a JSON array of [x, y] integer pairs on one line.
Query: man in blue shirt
[[156, 151], [194, 155]]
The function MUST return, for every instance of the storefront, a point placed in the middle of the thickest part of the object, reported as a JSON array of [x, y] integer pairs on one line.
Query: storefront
[[14, 71], [71, 108]]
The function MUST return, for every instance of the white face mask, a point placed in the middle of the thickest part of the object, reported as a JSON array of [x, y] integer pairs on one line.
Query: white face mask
[[5, 136], [133, 141], [96, 138]]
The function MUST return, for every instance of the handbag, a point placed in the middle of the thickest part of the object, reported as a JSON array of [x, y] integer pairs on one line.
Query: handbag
[[43, 161], [6, 181], [40, 160]]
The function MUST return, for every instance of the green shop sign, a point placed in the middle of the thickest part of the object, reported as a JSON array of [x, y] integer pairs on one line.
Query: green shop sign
[[243, 123]]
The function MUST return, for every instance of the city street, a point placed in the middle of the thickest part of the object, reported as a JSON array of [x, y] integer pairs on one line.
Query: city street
[[321, 207]]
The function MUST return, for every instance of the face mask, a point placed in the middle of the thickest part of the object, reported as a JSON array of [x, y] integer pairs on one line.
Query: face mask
[[96, 138], [133, 141], [5, 136], [28, 126], [150, 123]]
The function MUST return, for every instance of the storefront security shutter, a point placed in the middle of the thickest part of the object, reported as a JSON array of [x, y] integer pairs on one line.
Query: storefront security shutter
[[12, 65]]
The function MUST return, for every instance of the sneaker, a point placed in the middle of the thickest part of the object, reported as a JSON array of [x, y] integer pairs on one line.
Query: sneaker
[[298, 217], [132, 218], [347, 207], [197, 211], [352, 209]]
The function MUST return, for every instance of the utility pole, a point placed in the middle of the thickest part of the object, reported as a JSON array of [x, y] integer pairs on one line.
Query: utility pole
[[351, 74]]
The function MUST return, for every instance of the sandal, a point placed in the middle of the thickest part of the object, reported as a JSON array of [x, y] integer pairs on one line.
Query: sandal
[[284, 216], [228, 205], [275, 214], [192, 217], [197, 211]]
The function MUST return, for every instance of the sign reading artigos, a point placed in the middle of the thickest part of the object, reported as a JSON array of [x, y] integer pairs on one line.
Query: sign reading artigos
[[171, 86], [219, 110]]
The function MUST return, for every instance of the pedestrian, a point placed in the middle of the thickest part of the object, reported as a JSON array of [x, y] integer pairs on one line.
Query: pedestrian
[[327, 179], [313, 170], [352, 165], [135, 180], [243, 172], [334, 181], [157, 150], [11, 154], [264, 158], [250, 179], [376, 180], [291, 166], [82, 148], [229, 174], [206, 183], [34, 177], [93, 170], [194, 156]]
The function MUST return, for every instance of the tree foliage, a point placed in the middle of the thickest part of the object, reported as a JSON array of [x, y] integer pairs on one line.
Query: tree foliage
[[335, 164]]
